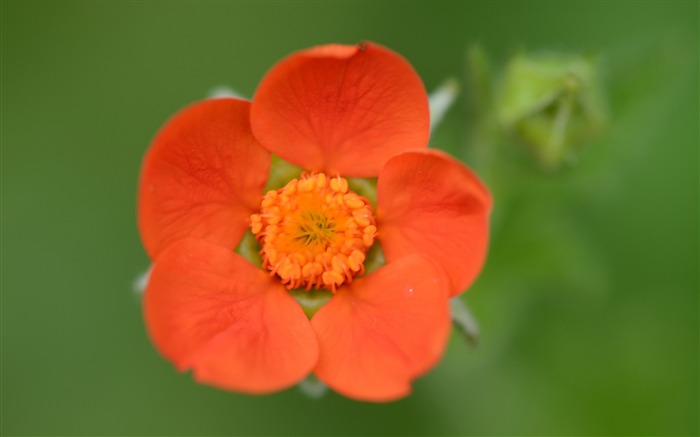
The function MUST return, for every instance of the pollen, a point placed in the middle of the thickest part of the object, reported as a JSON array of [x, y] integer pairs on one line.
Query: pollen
[[314, 232]]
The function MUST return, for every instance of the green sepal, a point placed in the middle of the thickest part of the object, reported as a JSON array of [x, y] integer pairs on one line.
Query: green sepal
[[364, 187], [281, 172], [311, 300], [249, 249]]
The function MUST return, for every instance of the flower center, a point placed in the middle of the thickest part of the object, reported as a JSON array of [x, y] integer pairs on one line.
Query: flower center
[[314, 232]]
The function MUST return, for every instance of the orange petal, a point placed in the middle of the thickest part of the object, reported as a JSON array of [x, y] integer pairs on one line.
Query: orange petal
[[202, 177], [208, 309], [341, 109], [383, 330], [430, 203]]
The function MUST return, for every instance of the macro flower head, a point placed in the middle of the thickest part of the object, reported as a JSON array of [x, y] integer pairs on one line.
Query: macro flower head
[[356, 250]]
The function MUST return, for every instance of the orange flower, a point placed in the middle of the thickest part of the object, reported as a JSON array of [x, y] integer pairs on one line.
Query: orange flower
[[336, 111]]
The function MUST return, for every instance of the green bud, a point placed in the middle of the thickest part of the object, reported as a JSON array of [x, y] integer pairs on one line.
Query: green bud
[[552, 103]]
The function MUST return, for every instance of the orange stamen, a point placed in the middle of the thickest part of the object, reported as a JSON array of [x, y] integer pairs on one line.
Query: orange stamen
[[314, 232]]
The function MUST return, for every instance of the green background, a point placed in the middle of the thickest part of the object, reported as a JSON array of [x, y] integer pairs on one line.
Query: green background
[[588, 304]]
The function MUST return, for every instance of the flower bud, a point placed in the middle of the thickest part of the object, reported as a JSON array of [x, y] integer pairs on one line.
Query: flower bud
[[552, 103]]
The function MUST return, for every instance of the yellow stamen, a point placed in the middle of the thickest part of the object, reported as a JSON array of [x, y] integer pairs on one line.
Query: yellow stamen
[[314, 232]]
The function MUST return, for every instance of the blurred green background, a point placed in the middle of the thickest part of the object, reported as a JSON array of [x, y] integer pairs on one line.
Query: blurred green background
[[588, 304]]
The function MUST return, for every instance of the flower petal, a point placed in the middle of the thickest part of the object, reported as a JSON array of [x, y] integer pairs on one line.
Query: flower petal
[[208, 309], [430, 203], [383, 330], [202, 177], [341, 109]]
